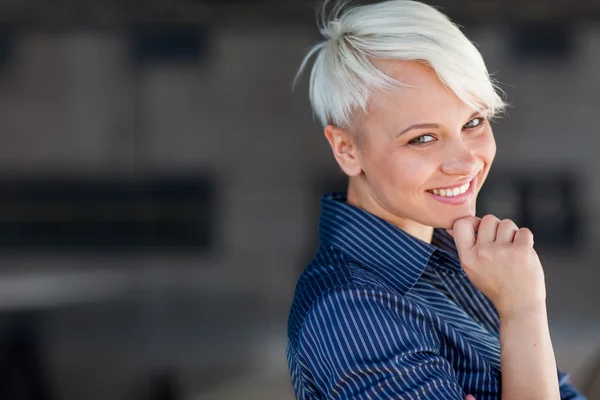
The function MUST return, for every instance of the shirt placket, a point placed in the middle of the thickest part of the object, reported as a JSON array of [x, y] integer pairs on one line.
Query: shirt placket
[[466, 295]]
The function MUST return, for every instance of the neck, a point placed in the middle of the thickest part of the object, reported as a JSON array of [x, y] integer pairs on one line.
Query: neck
[[358, 197]]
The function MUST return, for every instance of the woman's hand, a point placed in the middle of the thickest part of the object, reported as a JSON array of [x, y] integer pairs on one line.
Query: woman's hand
[[501, 263]]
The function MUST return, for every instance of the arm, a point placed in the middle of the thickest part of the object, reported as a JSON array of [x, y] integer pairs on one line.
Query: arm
[[527, 356], [500, 261], [362, 343]]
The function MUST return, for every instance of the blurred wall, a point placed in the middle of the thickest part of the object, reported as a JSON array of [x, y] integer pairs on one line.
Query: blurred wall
[[73, 101]]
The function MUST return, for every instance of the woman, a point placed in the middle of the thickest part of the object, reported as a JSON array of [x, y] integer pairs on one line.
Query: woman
[[410, 295]]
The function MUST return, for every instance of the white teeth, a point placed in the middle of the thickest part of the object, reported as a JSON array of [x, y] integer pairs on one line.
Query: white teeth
[[451, 192]]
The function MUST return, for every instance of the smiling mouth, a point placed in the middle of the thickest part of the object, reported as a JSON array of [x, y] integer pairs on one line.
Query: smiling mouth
[[457, 190]]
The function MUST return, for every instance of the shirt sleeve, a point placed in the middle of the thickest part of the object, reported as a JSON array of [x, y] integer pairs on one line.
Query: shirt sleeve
[[363, 343], [567, 390]]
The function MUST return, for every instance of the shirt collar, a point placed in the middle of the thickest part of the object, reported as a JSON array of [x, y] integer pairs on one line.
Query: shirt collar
[[380, 246]]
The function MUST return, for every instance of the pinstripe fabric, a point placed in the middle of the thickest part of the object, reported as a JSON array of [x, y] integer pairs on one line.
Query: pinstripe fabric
[[379, 314]]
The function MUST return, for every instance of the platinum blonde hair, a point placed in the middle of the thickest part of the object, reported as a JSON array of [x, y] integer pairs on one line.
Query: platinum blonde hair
[[343, 75]]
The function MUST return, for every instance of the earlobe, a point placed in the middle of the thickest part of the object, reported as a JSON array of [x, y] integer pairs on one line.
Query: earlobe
[[344, 150]]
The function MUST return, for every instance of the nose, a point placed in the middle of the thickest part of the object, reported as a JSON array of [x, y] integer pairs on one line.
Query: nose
[[459, 160]]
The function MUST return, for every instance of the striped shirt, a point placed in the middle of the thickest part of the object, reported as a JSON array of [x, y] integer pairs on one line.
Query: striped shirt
[[380, 314]]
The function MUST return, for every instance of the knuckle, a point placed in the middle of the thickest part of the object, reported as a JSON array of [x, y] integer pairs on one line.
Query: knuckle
[[524, 251], [507, 221], [526, 231], [489, 217], [484, 253], [460, 223]]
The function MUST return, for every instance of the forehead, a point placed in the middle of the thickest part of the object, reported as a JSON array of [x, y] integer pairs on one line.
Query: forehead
[[424, 98], [410, 72]]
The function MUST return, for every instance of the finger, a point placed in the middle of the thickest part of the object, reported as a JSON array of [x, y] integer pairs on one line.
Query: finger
[[488, 229], [469, 397], [463, 232], [524, 237], [506, 231]]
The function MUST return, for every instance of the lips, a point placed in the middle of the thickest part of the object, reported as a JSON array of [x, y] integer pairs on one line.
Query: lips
[[447, 195], [464, 185], [453, 191]]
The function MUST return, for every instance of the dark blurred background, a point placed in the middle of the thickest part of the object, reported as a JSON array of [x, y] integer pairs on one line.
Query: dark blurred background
[[159, 187]]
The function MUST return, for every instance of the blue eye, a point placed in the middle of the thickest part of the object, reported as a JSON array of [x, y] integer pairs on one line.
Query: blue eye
[[478, 120], [421, 140]]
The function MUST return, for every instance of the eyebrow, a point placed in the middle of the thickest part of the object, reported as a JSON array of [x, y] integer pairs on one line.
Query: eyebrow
[[429, 125]]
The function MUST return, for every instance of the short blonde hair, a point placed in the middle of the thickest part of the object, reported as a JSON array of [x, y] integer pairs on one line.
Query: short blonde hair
[[343, 76]]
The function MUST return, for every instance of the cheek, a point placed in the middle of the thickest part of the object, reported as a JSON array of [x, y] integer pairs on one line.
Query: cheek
[[408, 173], [397, 172], [485, 148]]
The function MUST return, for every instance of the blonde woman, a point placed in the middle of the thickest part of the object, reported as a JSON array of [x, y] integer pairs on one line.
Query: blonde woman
[[410, 295]]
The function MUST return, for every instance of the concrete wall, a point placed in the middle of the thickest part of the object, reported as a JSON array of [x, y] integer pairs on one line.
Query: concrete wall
[[73, 102]]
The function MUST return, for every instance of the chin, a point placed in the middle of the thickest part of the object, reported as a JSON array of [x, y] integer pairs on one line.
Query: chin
[[447, 221]]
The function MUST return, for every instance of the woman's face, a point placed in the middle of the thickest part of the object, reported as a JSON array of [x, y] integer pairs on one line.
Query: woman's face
[[417, 140]]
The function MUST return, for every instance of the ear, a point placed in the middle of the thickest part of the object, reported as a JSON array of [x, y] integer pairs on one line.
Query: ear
[[344, 150]]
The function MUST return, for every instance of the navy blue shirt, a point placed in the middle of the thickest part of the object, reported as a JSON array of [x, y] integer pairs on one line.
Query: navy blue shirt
[[380, 314]]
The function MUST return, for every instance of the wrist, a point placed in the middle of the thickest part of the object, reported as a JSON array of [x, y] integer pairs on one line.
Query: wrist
[[523, 312]]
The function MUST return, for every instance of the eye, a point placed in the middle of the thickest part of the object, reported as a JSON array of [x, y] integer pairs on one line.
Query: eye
[[474, 123], [423, 139]]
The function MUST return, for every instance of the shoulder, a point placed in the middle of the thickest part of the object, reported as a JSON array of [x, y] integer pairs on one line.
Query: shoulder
[[330, 271], [334, 286], [362, 322]]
